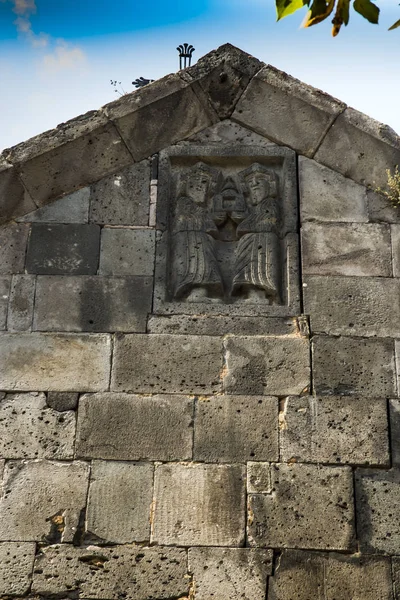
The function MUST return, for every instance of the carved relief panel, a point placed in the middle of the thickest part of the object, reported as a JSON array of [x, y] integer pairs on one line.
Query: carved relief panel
[[229, 243]]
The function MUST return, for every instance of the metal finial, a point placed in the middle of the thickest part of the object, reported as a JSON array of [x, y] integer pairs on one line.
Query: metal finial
[[141, 82], [185, 55]]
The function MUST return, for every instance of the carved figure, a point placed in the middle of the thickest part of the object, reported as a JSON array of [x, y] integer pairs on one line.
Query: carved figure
[[196, 273], [257, 269]]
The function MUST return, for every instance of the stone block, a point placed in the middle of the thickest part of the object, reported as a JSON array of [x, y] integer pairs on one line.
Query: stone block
[[54, 362], [236, 429], [43, 500], [123, 198], [13, 239], [352, 306], [33, 430], [71, 249], [129, 427], [378, 511], [394, 418], [73, 208], [311, 575], [325, 195], [395, 231], [309, 506], [160, 114], [353, 366], [359, 249], [334, 430], [167, 364], [259, 479], [62, 401], [396, 576], [119, 502], [14, 199], [266, 365], [286, 110], [5, 286], [20, 308], [199, 505], [228, 132], [380, 209], [16, 567], [131, 572], [74, 154], [230, 573], [92, 303], [360, 148], [127, 252]]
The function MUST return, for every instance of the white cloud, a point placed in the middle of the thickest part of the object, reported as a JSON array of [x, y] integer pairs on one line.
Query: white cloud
[[64, 56]]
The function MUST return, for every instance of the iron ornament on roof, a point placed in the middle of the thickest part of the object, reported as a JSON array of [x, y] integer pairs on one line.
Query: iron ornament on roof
[[185, 55]]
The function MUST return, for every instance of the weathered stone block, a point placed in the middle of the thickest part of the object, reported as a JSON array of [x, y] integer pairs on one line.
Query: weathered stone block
[[266, 365], [236, 429], [394, 417], [127, 252], [360, 249], [33, 430], [230, 573], [380, 209], [63, 249], [14, 199], [351, 366], [20, 308], [42, 500], [119, 502], [55, 362], [165, 363], [199, 505], [132, 572], [13, 240], [128, 427], [334, 430], [396, 576], [311, 575], [73, 208], [310, 506], [378, 512], [16, 566], [5, 286], [85, 303], [395, 231], [353, 306], [325, 195], [123, 198], [228, 132], [286, 110], [259, 479], [62, 401], [360, 148]]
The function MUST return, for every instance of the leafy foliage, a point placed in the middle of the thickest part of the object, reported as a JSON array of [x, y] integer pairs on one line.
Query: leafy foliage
[[392, 192], [319, 10]]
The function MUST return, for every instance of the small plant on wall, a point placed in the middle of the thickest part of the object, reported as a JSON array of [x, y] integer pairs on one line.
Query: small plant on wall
[[392, 190]]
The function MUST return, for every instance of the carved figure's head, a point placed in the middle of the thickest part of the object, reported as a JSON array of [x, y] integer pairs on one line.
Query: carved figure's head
[[262, 183], [198, 183]]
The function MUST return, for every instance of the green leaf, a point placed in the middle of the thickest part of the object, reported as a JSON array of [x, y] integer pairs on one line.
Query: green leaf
[[287, 7], [319, 11], [367, 9], [395, 25]]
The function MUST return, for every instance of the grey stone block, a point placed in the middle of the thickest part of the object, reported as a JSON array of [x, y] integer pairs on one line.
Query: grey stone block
[[378, 512], [380, 209], [131, 572], [351, 366], [5, 286], [119, 502], [13, 239], [14, 199], [360, 148], [20, 308], [228, 132], [167, 363], [396, 576], [43, 500], [123, 198], [395, 231], [353, 306], [394, 417], [230, 573], [309, 506], [286, 110], [236, 429], [16, 567], [334, 430], [71, 249], [311, 575], [33, 430], [266, 365], [325, 195], [73, 208], [359, 249], [54, 362], [128, 427], [199, 505], [259, 480], [62, 401], [127, 252], [92, 303]]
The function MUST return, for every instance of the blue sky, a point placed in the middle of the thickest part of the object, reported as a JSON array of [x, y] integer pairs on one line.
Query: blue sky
[[57, 56]]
